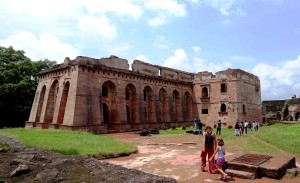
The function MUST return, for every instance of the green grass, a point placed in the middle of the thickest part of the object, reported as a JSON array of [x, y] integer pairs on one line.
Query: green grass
[[283, 136], [70, 142]]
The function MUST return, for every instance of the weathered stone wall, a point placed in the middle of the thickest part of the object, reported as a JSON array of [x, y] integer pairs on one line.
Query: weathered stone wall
[[103, 95], [240, 100], [86, 103]]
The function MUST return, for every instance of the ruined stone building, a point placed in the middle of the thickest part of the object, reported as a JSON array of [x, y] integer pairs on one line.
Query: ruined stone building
[[104, 95], [284, 110]]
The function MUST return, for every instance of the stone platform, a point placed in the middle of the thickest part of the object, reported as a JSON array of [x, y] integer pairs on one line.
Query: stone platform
[[251, 166]]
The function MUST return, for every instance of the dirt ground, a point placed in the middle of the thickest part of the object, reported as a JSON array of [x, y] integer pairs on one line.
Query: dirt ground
[[178, 157]]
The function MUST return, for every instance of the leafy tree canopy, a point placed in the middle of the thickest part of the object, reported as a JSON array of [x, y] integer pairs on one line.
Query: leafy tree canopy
[[18, 82]]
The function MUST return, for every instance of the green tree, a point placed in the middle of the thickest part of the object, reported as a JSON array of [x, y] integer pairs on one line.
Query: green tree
[[18, 82]]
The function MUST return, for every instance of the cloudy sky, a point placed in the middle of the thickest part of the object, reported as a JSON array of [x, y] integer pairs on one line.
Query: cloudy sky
[[259, 36]]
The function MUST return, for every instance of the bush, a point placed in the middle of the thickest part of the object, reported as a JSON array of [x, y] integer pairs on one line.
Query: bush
[[230, 126]]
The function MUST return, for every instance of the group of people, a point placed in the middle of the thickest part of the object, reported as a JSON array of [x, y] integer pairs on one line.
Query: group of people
[[241, 128], [211, 147]]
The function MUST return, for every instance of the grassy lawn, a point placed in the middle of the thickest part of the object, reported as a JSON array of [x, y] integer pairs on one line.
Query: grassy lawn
[[70, 142], [283, 136]]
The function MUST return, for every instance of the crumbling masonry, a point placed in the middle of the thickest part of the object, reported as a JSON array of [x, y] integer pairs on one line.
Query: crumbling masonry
[[103, 95]]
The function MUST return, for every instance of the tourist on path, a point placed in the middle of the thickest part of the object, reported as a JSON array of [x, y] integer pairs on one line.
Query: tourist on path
[[237, 129], [246, 126], [220, 150], [219, 124], [209, 146], [200, 127], [196, 125]]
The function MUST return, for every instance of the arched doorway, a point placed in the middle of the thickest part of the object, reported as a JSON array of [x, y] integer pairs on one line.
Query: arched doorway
[[52, 97], [223, 108], [63, 103], [105, 113], [297, 116], [110, 110], [40, 104], [204, 92]]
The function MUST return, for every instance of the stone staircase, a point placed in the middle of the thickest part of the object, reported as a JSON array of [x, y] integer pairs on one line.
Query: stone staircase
[[251, 166]]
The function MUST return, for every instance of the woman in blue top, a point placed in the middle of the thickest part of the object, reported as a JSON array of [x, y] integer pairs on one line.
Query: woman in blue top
[[221, 159]]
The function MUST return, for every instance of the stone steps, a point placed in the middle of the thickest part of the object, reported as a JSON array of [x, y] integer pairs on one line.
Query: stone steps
[[240, 174]]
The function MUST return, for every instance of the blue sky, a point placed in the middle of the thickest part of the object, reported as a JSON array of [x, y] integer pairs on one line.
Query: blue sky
[[259, 36]]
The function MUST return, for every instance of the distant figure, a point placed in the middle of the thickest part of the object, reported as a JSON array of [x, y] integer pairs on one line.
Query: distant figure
[[219, 124], [196, 125], [221, 159], [237, 129], [209, 146], [242, 128], [200, 127], [246, 127], [257, 125]]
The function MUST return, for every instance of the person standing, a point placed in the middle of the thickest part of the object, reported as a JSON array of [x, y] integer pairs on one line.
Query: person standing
[[219, 124], [237, 129], [209, 146], [220, 150], [200, 127], [196, 125], [246, 126]]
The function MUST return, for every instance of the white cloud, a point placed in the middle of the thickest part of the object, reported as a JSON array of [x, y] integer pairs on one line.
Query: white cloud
[[171, 7], [93, 27], [142, 58], [158, 20], [278, 81], [224, 6], [202, 65], [196, 49], [178, 60], [46, 46], [164, 10], [118, 7]]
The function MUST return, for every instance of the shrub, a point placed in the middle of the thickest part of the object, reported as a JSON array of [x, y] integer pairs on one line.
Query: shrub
[[230, 126]]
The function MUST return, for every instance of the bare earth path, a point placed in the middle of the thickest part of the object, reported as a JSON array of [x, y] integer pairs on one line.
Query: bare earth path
[[178, 157]]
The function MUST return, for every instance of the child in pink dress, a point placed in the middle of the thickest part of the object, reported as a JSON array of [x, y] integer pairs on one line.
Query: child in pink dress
[[221, 159]]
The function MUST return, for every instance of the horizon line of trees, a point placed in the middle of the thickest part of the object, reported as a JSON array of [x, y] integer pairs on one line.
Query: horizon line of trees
[[18, 83]]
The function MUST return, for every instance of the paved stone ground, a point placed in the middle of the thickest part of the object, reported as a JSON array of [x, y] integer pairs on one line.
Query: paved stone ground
[[178, 157]]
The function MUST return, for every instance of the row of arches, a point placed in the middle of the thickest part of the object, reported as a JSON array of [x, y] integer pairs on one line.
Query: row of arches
[[50, 105], [148, 107], [160, 107]]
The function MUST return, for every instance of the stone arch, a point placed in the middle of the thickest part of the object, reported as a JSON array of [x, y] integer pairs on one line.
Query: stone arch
[[223, 108], [204, 92], [105, 113], [188, 106], [163, 105], [109, 104], [149, 104], [52, 97], [297, 116], [131, 103], [63, 103], [176, 106], [244, 108], [40, 104]]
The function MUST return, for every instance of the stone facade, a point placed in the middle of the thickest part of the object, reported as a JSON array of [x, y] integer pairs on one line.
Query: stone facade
[[231, 96], [285, 110], [103, 95]]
